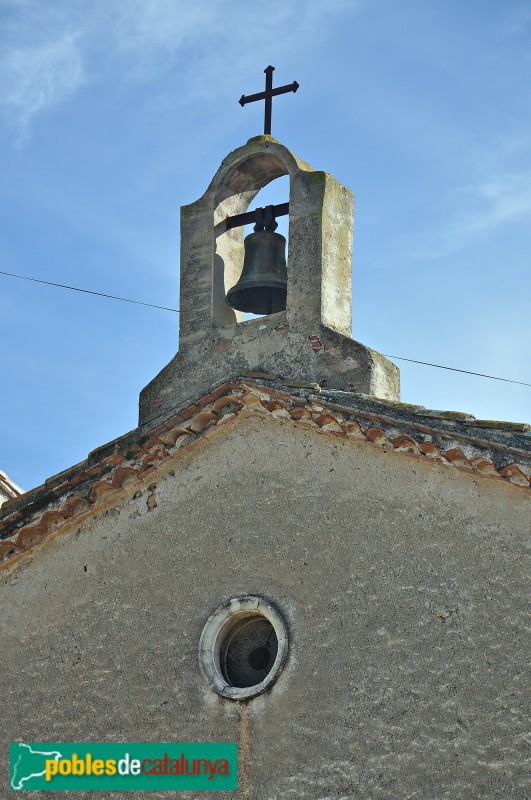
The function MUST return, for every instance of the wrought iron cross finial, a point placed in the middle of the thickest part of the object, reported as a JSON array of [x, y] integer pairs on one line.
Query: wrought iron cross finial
[[268, 96]]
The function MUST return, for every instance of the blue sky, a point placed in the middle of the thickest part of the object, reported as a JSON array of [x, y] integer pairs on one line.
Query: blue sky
[[113, 114]]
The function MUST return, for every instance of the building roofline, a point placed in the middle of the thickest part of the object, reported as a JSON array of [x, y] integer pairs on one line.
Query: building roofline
[[500, 451], [9, 487]]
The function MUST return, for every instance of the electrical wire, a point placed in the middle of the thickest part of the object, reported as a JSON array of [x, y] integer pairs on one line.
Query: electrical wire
[[455, 369], [88, 291], [174, 310]]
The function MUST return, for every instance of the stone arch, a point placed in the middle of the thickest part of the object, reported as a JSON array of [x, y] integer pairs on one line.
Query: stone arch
[[311, 340], [237, 188], [320, 242]]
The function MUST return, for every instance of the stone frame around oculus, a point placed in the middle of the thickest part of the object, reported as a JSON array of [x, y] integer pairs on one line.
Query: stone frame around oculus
[[224, 623], [309, 341]]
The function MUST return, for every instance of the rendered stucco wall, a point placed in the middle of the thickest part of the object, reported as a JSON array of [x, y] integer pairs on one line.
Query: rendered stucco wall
[[402, 583]]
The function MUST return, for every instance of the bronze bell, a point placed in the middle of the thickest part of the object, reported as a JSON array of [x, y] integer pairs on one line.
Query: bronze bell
[[263, 283]]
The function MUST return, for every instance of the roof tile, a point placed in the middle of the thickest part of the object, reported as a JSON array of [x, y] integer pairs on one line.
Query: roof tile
[[114, 466]]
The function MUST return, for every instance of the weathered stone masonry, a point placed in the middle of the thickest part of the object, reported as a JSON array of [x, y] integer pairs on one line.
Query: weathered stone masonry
[[495, 450]]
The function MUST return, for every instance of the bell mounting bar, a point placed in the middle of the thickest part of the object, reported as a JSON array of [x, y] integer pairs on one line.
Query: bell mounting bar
[[263, 218], [268, 96]]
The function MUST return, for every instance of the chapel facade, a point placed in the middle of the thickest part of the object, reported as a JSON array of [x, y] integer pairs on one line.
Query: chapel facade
[[281, 554]]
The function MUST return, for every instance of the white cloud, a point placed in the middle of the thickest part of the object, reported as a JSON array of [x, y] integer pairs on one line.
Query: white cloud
[[33, 79], [52, 49], [215, 40], [504, 199], [476, 210], [166, 25]]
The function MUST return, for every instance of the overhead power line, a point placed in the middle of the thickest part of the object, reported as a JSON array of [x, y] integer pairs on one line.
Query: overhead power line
[[176, 311], [455, 369], [88, 291]]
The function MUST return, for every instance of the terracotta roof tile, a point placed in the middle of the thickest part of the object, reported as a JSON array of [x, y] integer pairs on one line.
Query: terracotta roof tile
[[327, 422], [428, 449], [278, 409], [202, 421], [352, 429], [300, 412], [27, 520], [225, 402], [483, 466], [171, 437], [74, 506], [456, 457], [9, 549], [405, 444], [124, 476], [515, 474], [251, 400], [100, 489], [29, 536], [526, 469], [377, 436]]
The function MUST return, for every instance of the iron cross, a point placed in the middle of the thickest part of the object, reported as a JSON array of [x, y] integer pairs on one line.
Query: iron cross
[[268, 96]]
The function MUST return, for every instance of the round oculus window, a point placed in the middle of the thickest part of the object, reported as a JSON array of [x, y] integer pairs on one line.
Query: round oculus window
[[243, 647]]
